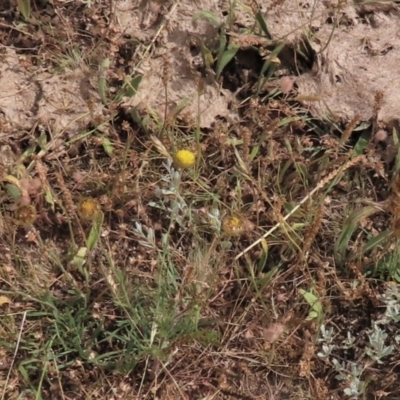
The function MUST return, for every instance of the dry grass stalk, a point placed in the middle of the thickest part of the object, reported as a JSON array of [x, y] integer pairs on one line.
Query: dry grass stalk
[[246, 136], [313, 230], [305, 362], [378, 103], [15, 354], [322, 183], [349, 129], [69, 205], [230, 390], [166, 75], [308, 97], [42, 171], [393, 202], [66, 196]]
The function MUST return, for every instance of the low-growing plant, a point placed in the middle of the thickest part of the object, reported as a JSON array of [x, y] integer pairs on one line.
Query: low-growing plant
[[374, 348]]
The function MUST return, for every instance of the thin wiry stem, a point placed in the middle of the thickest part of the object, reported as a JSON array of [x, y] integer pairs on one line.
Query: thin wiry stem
[[15, 355]]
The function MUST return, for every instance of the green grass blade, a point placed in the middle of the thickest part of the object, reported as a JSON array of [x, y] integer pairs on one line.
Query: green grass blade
[[222, 46], [270, 66], [349, 227], [107, 146], [133, 86], [362, 143], [207, 16], [315, 304], [263, 25], [376, 241], [396, 168], [94, 235], [226, 57], [24, 7], [102, 82], [262, 262]]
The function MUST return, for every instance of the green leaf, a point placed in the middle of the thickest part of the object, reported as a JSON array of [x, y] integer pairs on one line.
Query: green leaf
[[283, 170], [288, 120], [207, 16], [302, 171], [28, 152], [265, 280], [24, 7], [261, 21], [94, 235], [396, 168], [13, 191], [387, 267], [362, 143], [270, 66], [222, 46], [264, 256], [376, 241], [362, 126], [107, 145], [133, 86], [135, 116], [42, 141], [349, 227], [79, 260], [315, 304], [48, 195], [208, 58], [102, 83], [226, 57]]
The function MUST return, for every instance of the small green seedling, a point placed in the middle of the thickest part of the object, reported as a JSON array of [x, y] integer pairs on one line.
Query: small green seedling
[[316, 306]]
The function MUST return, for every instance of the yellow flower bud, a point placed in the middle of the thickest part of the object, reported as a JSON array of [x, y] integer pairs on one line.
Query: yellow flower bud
[[233, 225], [25, 215], [89, 209]]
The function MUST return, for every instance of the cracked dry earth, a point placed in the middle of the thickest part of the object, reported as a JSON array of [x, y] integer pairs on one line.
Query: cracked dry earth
[[356, 51], [50, 74]]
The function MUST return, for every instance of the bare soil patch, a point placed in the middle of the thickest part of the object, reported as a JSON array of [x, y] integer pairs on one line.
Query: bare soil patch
[[123, 276]]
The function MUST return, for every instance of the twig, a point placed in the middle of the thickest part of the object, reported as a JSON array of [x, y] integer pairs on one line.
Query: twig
[[15, 355]]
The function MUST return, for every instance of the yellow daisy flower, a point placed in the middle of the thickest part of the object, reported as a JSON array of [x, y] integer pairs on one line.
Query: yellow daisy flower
[[184, 159]]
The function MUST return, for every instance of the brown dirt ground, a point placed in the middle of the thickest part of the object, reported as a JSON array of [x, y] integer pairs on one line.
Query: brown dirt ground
[[61, 75]]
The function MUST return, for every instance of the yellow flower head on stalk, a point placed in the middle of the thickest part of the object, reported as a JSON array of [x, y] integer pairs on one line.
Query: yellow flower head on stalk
[[233, 225], [89, 209], [184, 159]]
